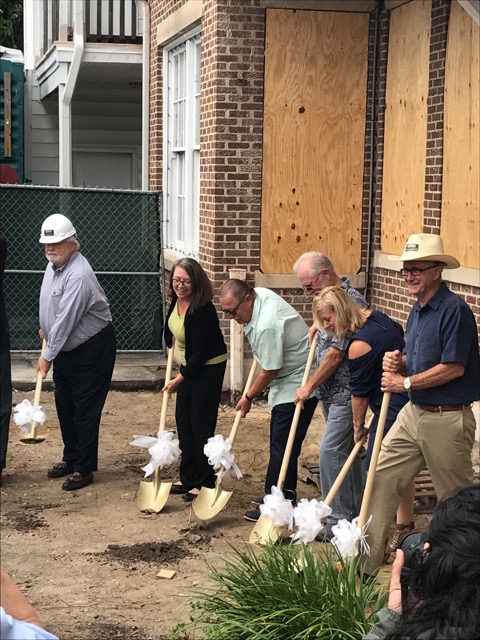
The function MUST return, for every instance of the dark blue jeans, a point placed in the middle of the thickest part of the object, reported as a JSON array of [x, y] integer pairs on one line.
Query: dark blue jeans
[[280, 423]]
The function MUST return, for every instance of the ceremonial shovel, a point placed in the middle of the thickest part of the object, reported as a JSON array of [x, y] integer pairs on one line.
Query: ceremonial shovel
[[152, 496], [209, 501], [264, 530], [32, 437]]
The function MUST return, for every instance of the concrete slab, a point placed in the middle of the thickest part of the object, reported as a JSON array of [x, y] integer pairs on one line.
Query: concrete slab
[[132, 372]]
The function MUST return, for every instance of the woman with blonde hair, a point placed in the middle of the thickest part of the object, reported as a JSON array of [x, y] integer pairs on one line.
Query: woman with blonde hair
[[366, 334]]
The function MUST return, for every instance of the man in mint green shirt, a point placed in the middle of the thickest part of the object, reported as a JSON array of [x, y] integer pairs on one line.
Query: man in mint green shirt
[[278, 336]]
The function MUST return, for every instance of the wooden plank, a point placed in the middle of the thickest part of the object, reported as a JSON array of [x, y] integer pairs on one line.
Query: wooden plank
[[405, 124], [314, 127], [322, 5], [7, 119], [460, 226]]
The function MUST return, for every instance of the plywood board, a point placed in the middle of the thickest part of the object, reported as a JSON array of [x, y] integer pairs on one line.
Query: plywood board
[[405, 124], [460, 227], [314, 129]]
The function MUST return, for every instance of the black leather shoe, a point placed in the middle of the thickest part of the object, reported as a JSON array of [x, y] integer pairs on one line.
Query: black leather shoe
[[77, 481], [59, 470], [178, 488], [189, 497]]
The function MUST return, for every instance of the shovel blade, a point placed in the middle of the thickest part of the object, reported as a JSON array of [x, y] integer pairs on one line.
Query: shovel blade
[[32, 437], [265, 531], [210, 502], [152, 496]]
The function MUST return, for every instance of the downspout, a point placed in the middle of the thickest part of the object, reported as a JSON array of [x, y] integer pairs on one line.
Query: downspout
[[145, 92], [65, 97], [372, 154]]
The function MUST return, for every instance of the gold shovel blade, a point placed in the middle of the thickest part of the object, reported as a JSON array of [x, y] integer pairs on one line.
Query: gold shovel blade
[[265, 531], [210, 502], [32, 437], [152, 496]]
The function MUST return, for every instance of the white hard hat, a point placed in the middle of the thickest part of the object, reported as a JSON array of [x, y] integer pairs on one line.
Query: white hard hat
[[56, 228]]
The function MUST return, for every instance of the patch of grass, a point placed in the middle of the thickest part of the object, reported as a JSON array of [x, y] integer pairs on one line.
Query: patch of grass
[[284, 593]]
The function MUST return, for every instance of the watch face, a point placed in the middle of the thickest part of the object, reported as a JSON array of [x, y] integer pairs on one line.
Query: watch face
[[407, 384]]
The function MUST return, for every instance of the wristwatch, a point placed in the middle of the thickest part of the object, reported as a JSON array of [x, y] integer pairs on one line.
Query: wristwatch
[[407, 385]]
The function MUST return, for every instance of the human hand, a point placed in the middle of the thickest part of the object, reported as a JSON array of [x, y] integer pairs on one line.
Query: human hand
[[302, 395], [392, 382], [360, 432], [171, 387], [41, 336], [43, 366], [312, 332], [395, 595], [392, 361], [244, 406]]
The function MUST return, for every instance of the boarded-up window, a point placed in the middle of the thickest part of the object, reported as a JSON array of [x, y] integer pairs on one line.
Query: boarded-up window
[[461, 170], [405, 124], [314, 132]]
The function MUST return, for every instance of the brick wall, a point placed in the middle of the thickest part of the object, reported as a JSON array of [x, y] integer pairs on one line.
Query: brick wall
[[233, 33]]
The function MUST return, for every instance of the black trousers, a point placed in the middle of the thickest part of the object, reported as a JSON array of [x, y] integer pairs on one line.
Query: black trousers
[[5, 399], [82, 379], [196, 415], [280, 423]]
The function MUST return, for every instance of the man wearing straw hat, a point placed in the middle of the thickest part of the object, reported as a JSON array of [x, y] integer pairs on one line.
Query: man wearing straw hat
[[440, 370]]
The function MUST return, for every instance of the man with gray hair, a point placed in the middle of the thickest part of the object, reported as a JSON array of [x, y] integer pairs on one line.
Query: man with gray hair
[[278, 336], [330, 383], [76, 323]]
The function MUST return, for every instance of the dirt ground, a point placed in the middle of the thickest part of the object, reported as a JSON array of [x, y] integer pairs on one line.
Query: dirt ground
[[88, 560]]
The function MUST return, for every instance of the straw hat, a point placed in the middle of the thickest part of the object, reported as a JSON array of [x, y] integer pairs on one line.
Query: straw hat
[[426, 246]]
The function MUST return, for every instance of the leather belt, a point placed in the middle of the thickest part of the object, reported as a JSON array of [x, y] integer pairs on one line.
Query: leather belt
[[440, 408]]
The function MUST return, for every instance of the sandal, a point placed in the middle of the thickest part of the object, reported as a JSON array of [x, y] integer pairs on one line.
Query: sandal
[[392, 545]]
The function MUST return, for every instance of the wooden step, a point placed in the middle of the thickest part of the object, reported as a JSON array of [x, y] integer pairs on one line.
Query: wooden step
[[425, 496]]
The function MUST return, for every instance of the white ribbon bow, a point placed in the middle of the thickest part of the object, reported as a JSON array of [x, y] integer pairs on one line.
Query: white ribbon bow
[[308, 517], [163, 450], [25, 413], [219, 453], [277, 508], [347, 535]]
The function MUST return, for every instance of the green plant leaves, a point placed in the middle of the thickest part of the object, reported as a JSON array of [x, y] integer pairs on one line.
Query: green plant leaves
[[284, 592]]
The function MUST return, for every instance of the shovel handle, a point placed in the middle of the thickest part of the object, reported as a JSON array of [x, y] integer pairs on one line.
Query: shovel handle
[[296, 418], [345, 469], [367, 494], [238, 415], [38, 384], [168, 375]]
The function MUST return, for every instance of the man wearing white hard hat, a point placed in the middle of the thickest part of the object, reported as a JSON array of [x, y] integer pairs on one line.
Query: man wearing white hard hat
[[440, 370], [76, 322]]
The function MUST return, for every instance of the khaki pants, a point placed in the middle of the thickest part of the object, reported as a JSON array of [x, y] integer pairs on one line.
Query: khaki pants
[[442, 442]]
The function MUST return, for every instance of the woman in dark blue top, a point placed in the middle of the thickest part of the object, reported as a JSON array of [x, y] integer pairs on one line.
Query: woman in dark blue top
[[367, 335]]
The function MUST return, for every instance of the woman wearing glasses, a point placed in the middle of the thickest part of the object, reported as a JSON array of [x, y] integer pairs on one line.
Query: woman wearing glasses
[[192, 320], [367, 335]]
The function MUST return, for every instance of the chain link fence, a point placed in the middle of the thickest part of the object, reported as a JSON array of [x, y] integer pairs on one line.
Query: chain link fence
[[119, 234]]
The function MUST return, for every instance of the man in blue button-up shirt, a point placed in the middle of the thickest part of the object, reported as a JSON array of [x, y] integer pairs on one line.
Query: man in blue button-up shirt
[[440, 369]]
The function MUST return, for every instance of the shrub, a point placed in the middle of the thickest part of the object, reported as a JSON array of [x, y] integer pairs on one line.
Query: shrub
[[284, 593]]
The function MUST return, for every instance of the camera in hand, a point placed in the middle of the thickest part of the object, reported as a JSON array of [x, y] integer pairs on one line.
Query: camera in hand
[[412, 546]]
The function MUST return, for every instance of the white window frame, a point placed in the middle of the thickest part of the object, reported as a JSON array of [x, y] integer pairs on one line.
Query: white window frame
[[181, 166]]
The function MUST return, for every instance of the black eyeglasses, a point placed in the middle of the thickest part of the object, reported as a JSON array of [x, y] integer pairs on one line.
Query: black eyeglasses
[[415, 271], [232, 312]]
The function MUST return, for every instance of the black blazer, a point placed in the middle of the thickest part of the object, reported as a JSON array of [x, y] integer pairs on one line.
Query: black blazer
[[203, 338]]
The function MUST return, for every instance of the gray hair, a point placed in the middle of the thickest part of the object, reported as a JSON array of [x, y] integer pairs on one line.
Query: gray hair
[[238, 288], [74, 240], [316, 262]]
